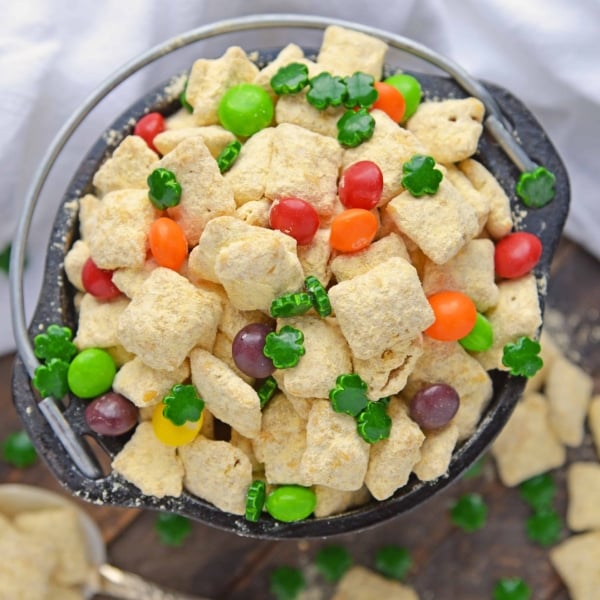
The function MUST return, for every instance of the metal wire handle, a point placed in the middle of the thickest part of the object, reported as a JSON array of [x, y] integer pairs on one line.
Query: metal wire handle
[[495, 123]]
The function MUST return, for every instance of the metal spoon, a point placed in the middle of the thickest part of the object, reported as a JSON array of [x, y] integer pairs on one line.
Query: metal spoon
[[104, 578]]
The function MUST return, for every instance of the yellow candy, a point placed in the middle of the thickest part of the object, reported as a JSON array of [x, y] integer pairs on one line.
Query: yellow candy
[[174, 435]]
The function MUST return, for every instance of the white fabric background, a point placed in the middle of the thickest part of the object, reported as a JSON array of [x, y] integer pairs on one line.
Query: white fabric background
[[54, 53]]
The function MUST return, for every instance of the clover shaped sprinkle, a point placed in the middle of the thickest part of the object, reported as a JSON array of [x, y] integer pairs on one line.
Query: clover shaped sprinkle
[[373, 423], [284, 347], [55, 343], [536, 188], [51, 379], [544, 526], [355, 127], [183, 98], [326, 90], [183, 404], [228, 156], [291, 305], [290, 79], [393, 562], [5, 258], [360, 90], [522, 358], [349, 395], [266, 390], [511, 588], [469, 512], [255, 500], [332, 562], [171, 529], [165, 191], [420, 176], [18, 451], [319, 297]]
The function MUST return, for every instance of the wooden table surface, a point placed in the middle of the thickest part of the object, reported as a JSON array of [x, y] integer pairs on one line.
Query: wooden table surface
[[448, 564]]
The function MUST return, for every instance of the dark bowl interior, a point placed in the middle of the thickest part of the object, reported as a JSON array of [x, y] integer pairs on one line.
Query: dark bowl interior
[[56, 306]]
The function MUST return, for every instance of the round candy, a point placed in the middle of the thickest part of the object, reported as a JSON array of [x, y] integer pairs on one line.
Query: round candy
[[148, 127], [247, 350], [111, 414], [168, 243], [352, 230], [516, 254], [480, 338], [410, 88], [91, 373], [296, 218], [174, 435], [434, 406], [290, 503], [361, 185], [390, 101], [455, 316], [245, 109], [98, 282]]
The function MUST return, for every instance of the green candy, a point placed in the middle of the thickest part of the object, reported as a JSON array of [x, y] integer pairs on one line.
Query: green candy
[[245, 109], [469, 512], [164, 189], [255, 500], [91, 373], [267, 390], [480, 338], [539, 491], [18, 451], [228, 156], [393, 561], [319, 297], [290, 503], [511, 588], [286, 583], [171, 529], [410, 88], [544, 527], [333, 562], [291, 305]]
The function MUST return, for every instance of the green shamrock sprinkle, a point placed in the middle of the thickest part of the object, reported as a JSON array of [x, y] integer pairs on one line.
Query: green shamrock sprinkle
[[326, 90], [51, 379], [476, 469], [522, 357], [511, 588], [469, 512], [183, 404], [172, 529], [267, 390], [228, 156], [255, 500], [349, 395], [539, 491], [332, 562], [165, 190], [536, 188], [393, 561], [286, 583], [360, 90], [5, 258], [355, 127], [284, 347], [55, 343], [543, 527], [373, 423], [319, 297], [290, 79], [291, 305], [183, 99], [18, 451], [420, 176]]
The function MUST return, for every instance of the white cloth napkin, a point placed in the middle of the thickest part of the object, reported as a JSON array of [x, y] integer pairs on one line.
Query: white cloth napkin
[[54, 53]]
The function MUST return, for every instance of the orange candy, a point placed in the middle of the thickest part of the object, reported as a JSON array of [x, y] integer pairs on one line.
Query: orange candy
[[168, 243], [353, 229], [455, 316], [390, 101]]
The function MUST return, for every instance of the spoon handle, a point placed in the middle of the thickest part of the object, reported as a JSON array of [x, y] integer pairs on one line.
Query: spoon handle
[[127, 586]]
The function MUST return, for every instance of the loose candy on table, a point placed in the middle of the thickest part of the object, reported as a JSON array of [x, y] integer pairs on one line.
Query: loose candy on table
[[168, 243], [332, 562], [455, 316], [98, 282], [91, 373], [55, 342], [538, 491], [295, 217], [255, 500], [480, 338], [390, 101], [469, 512], [517, 254], [393, 562], [421, 178], [289, 503], [172, 529], [361, 185], [355, 127], [290, 79], [285, 347], [353, 230], [410, 88], [18, 451], [164, 189], [228, 155], [245, 109], [511, 588], [148, 127], [544, 527]]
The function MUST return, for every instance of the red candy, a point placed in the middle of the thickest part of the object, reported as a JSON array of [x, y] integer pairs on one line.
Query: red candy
[[148, 127], [516, 254], [361, 185], [98, 282], [296, 218]]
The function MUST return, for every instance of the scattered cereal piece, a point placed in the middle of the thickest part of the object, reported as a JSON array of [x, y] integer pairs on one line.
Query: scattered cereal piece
[[479, 202], [569, 390], [97, 327], [217, 472], [583, 486], [360, 583], [527, 445], [334, 502]]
